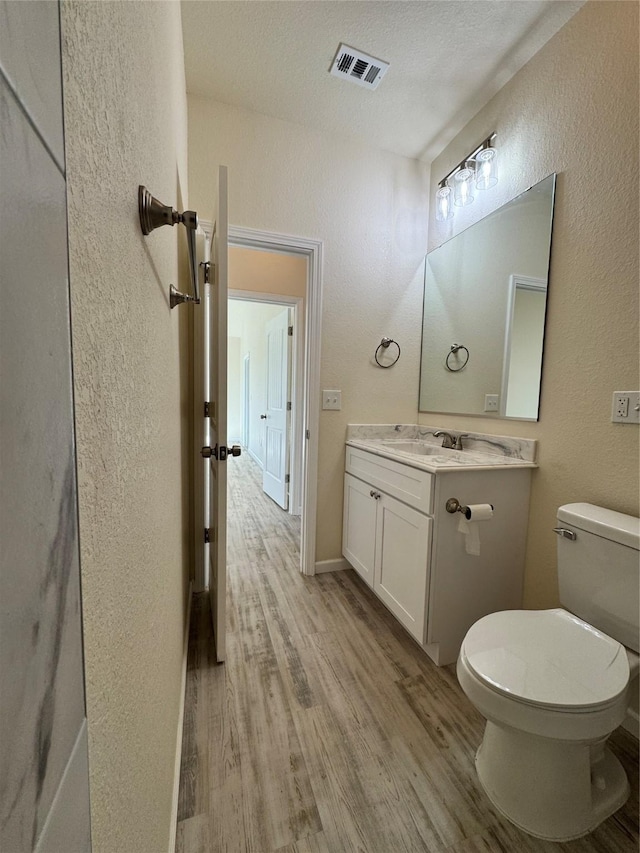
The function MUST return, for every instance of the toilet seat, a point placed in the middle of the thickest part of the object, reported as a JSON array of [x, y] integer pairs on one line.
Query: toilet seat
[[547, 658]]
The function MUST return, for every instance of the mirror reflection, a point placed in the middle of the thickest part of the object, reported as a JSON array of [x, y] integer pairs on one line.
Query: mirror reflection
[[485, 298]]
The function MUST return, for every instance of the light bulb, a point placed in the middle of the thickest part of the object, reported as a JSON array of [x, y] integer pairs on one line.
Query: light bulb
[[444, 203], [486, 168], [463, 181]]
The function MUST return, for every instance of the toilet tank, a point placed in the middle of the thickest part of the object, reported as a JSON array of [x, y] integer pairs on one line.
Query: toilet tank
[[599, 571]]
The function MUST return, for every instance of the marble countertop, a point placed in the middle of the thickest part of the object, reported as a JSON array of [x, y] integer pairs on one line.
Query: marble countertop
[[416, 446]]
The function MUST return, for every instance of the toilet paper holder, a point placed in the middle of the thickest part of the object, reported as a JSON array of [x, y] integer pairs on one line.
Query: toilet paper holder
[[453, 505]]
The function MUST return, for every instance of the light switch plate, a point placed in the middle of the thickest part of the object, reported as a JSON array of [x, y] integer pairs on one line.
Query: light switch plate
[[332, 400], [625, 408]]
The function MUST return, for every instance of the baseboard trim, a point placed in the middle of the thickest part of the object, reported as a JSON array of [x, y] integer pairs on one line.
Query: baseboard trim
[[331, 565], [173, 828]]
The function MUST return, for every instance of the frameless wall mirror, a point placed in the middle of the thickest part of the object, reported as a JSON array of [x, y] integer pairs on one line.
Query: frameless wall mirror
[[485, 297]]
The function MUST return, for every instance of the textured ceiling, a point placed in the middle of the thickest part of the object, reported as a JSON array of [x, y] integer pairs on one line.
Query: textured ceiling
[[448, 58]]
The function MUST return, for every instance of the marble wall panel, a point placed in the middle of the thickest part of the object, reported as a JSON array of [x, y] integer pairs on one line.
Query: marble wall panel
[[42, 712], [30, 60]]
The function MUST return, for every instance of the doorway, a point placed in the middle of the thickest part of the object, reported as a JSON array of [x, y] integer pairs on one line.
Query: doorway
[[265, 372], [524, 339], [309, 386], [307, 389]]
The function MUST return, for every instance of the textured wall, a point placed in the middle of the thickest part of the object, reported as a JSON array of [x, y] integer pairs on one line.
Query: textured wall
[[573, 109], [125, 119], [368, 206]]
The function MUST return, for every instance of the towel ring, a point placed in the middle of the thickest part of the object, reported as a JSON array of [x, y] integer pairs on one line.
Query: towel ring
[[384, 344], [453, 351]]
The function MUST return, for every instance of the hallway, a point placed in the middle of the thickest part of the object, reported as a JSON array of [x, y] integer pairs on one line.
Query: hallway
[[328, 730]]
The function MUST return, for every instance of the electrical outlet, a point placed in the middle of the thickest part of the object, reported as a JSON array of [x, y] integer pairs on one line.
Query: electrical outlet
[[332, 400], [625, 408], [491, 402], [621, 405]]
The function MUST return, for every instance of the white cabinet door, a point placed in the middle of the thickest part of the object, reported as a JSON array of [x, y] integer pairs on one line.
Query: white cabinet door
[[359, 527], [403, 538]]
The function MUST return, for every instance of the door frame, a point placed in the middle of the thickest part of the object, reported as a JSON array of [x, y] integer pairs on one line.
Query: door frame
[[246, 368], [516, 282], [296, 429], [252, 238]]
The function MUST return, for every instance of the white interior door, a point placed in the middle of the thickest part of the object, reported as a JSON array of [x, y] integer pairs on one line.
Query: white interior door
[[217, 317], [277, 414]]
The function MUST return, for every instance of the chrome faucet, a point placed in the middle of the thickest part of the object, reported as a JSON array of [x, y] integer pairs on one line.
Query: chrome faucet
[[449, 441]]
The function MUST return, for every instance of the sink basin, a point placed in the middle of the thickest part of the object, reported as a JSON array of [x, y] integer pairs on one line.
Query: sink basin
[[418, 448], [426, 454]]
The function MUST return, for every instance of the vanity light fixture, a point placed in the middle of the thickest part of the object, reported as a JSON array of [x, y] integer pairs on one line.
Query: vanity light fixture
[[478, 171]]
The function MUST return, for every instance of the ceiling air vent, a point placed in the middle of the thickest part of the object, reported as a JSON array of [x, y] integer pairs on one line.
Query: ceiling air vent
[[354, 65]]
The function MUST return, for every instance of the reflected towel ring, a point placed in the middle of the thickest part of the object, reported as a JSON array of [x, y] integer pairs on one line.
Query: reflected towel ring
[[453, 351], [384, 344]]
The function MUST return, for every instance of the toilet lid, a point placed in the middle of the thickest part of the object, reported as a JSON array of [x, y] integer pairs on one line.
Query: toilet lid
[[547, 657]]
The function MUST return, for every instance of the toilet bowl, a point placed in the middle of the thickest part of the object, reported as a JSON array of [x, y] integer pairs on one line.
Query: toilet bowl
[[553, 686]]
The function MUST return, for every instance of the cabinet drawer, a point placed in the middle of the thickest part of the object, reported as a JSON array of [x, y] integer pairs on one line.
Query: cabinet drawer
[[409, 485]]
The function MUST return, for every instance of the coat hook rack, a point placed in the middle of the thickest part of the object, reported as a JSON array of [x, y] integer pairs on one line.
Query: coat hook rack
[[153, 214]]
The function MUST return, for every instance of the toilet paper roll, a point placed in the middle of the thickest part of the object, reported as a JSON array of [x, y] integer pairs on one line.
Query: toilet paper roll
[[471, 533], [479, 512], [469, 528]]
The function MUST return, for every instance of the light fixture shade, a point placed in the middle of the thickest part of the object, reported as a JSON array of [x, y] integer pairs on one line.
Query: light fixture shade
[[444, 203], [463, 182], [486, 168]]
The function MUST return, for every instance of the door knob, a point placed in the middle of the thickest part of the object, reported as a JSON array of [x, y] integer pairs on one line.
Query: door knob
[[221, 453], [263, 417]]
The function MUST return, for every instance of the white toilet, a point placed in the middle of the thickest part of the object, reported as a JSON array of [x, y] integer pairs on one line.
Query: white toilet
[[553, 684]]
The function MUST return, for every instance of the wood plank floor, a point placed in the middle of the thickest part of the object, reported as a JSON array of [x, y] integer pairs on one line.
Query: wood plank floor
[[328, 730]]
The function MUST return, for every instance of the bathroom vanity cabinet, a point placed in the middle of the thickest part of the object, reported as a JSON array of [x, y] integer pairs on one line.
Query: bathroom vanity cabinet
[[399, 538]]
